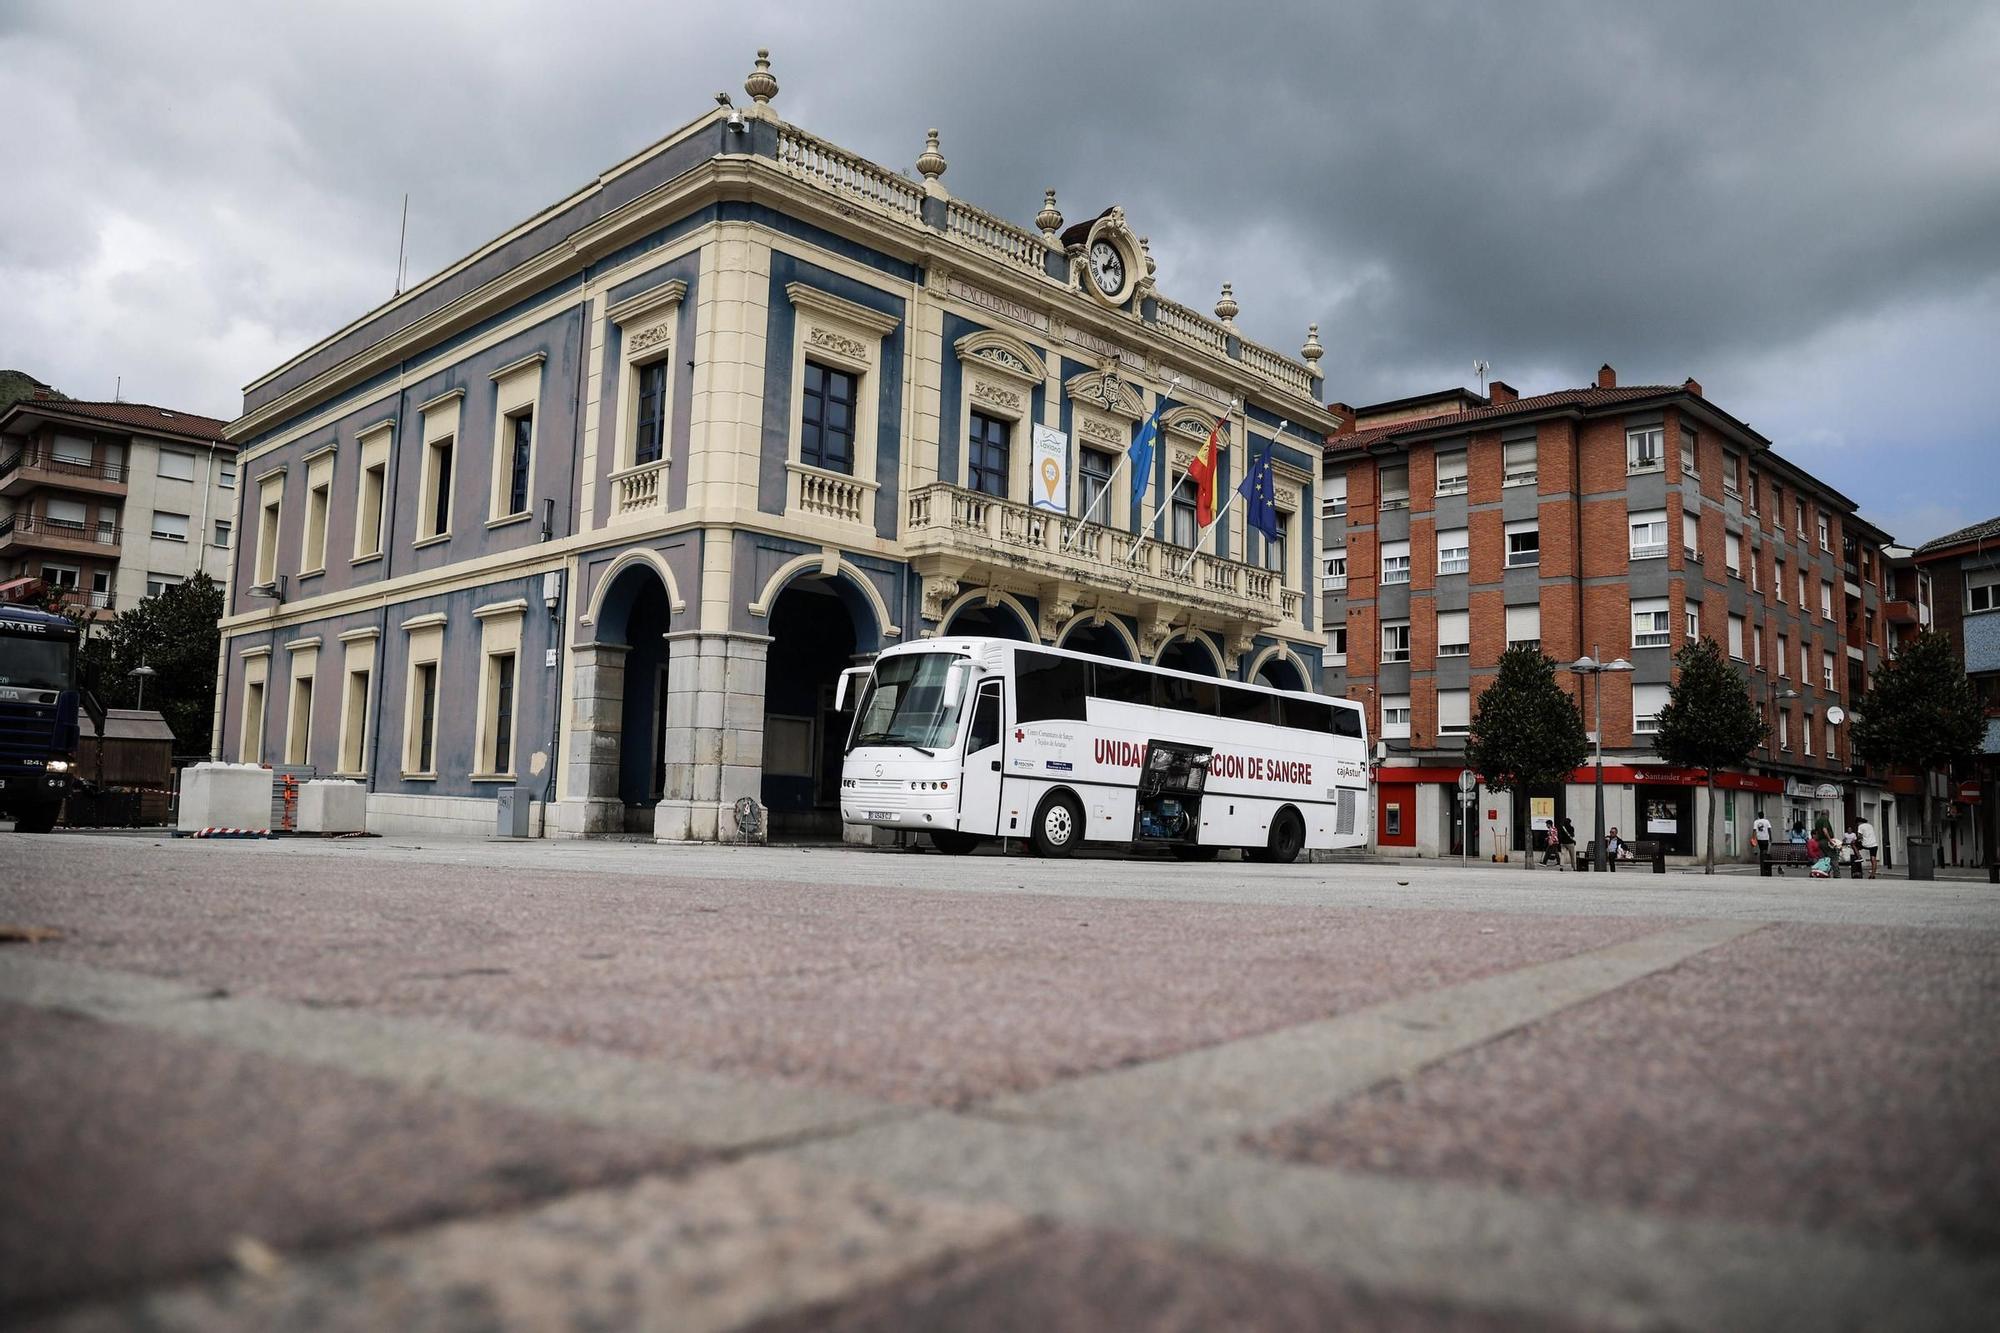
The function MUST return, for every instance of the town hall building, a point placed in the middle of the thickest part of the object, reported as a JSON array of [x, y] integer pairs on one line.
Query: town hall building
[[601, 511]]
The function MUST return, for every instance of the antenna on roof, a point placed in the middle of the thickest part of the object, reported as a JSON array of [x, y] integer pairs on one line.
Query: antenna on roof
[[402, 239], [1479, 367], [118, 390]]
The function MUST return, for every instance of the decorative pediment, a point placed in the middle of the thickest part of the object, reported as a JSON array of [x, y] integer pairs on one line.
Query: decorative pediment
[[1191, 422], [998, 351], [1107, 391]]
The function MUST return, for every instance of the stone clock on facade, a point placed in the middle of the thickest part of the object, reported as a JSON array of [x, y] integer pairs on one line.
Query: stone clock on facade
[[1111, 261]]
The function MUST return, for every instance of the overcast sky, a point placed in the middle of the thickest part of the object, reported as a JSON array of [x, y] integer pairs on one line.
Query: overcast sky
[[1797, 204]]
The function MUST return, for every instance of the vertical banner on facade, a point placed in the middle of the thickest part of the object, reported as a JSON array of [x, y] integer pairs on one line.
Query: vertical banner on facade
[[1541, 812], [1049, 478]]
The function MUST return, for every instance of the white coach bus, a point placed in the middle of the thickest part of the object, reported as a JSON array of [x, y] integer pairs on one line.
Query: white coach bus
[[965, 739]]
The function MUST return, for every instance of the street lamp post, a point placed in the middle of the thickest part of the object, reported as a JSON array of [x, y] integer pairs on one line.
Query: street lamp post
[[1592, 667], [142, 673]]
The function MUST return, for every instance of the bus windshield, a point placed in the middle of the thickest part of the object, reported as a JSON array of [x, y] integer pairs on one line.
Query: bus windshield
[[38, 663], [904, 704]]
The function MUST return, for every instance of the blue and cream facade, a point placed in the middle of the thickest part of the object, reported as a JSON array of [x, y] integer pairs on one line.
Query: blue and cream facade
[[602, 510]]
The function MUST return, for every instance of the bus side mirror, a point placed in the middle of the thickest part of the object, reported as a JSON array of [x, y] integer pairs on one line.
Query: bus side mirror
[[954, 684], [840, 690]]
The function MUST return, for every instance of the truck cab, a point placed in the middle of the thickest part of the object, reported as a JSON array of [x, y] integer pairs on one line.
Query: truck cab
[[38, 715]]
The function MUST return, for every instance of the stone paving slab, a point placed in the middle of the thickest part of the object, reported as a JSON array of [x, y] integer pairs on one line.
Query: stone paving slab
[[1828, 1077], [129, 1156], [715, 1250]]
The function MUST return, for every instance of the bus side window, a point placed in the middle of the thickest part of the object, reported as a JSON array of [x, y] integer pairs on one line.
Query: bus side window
[[1306, 714], [1347, 722], [985, 719], [1241, 705]]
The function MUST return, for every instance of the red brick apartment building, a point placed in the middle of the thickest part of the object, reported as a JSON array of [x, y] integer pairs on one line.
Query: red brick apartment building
[[1619, 521]]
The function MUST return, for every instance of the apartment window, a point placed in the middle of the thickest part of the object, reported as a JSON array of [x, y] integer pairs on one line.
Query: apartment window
[[155, 583], [1395, 486], [1691, 534], [437, 487], [500, 716], [223, 529], [1650, 626], [272, 493], [1648, 702], [170, 527], [1784, 656], [1757, 646], [1826, 599], [354, 719], [520, 437], [1333, 496], [1094, 467], [1644, 448], [1752, 498], [1802, 592], [1396, 641], [298, 728], [1693, 616], [1333, 571], [176, 466], [1454, 712], [226, 476], [1805, 661], [649, 429], [1799, 515], [250, 745], [1187, 528], [1649, 534], [1832, 741], [1736, 637], [1395, 562], [1336, 645], [1982, 590], [1805, 733], [1826, 671], [1778, 575], [319, 490], [1756, 563], [827, 424], [1524, 626], [1395, 717], [1451, 473], [1517, 462], [372, 494], [1824, 536], [1732, 473], [1454, 634], [1732, 554], [1454, 554], [425, 705], [1785, 729], [1524, 544], [1277, 549], [68, 516], [986, 457], [420, 701], [61, 576], [1688, 467]]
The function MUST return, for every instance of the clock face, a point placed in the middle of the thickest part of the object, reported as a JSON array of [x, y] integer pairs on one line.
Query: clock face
[[1107, 268]]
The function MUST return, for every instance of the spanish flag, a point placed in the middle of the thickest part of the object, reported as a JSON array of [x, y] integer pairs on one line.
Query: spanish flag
[[1202, 469]]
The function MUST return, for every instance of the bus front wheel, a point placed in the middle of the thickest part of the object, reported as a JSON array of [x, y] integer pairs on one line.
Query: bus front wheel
[[953, 843], [1058, 825]]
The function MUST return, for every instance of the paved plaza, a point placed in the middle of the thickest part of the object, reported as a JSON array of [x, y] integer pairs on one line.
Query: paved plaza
[[395, 1083]]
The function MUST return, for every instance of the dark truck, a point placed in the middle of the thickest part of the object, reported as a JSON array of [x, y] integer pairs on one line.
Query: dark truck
[[38, 710]]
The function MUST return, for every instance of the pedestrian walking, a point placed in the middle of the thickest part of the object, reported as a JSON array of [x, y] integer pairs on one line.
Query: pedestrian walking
[[1569, 840], [1760, 832], [1552, 845], [1871, 847]]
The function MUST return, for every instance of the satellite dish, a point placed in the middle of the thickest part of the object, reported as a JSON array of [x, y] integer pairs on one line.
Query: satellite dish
[[1836, 715]]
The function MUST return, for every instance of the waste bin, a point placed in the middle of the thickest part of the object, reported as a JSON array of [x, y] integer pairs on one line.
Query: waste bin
[[1921, 865], [513, 804]]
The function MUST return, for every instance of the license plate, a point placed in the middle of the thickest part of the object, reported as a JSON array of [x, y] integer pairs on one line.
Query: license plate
[[878, 814]]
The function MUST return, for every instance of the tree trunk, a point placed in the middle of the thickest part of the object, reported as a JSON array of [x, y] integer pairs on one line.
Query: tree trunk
[[1709, 869]]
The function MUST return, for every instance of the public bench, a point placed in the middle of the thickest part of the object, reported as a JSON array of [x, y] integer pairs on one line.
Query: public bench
[[1640, 849], [1782, 854]]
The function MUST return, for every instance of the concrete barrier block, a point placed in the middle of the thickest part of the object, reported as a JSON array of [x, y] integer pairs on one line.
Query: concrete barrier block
[[327, 806], [225, 796]]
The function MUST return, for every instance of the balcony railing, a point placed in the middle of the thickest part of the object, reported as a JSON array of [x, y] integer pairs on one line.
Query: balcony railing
[[33, 528], [965, 523], [47, 462]]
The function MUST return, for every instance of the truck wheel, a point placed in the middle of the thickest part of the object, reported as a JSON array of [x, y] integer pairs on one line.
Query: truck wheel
[[1288, 837], [953, 843], [36, 819], [1058, 825]]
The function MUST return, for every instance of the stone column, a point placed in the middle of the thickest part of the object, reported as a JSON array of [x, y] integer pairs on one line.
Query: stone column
[[715, 736], [590, 802]]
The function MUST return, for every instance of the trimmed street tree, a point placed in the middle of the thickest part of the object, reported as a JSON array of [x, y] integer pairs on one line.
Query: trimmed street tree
[[1710, 722], [1527, 732], [1920, 712], [175, 634]]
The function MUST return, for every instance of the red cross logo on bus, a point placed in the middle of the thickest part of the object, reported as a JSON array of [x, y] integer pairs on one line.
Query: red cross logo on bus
[[1020, 735]]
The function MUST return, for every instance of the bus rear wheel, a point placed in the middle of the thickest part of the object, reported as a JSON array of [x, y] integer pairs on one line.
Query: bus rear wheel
[[953, 843], [1287, 839], [1058, 825]]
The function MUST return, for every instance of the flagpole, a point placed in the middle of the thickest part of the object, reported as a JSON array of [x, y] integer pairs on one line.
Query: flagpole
[[1123, 459], [1234, 491], [1158, 514]]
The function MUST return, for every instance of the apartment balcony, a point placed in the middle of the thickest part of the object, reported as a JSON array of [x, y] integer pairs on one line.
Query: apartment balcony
[[32, 467], [26, 531], [954, 534], [1900, 611]]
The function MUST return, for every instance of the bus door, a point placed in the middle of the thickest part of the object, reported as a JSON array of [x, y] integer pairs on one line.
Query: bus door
[[979, 787]]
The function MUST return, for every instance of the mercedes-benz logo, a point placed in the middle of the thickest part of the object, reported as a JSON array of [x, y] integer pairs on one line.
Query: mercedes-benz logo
[[878, 770]]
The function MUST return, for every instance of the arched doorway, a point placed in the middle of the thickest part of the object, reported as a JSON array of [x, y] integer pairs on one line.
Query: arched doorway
[[1104, 640], [1185, 653], [1282, 673], [629, 687], [975, 619], [820, 625]]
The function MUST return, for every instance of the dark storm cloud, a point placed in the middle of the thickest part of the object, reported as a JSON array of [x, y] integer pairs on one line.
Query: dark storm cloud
[[1796, 203]]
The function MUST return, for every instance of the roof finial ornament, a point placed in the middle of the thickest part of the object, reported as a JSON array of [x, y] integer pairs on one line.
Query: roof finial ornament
[[1146, 249], [931, 162], [1050, 219], [1312, 351], [1226, 307], [761, 84]]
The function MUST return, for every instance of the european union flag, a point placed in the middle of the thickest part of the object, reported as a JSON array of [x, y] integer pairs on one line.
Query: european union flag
[[1141, 456], [1260, 494]]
